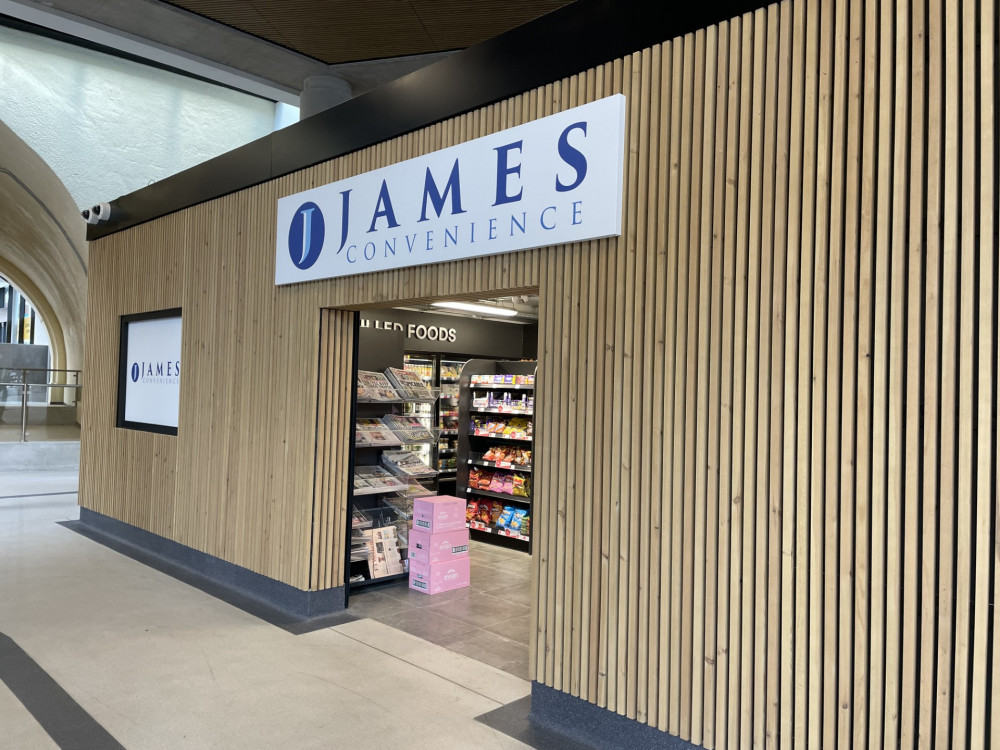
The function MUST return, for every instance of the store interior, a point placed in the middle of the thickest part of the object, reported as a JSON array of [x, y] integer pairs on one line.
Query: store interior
[[445, 408]]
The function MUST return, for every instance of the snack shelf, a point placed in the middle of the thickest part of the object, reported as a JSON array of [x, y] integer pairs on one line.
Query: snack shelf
[[496, 408], [500, 465], [500, 387], [500, 436], [480, 526], [500, 495], [512, 412]]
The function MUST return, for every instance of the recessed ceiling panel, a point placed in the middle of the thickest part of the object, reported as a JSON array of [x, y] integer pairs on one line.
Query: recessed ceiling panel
[[339, 31]]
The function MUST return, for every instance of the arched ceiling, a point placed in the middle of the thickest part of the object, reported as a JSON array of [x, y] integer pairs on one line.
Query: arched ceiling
[[43, 248]]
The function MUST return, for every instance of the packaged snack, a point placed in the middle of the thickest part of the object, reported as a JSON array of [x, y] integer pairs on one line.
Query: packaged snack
[[471, 510], [508, 485], [505, 518], [497, 483], [485, 511], [517, 521], [526, 525], [518, 488], [496, 510]]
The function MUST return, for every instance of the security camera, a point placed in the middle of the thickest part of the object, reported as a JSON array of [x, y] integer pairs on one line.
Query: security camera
[[88, 216], [102, 211]]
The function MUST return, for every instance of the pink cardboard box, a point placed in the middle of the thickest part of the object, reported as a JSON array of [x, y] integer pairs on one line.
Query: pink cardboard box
[[436, 578], [438, 514], [425, 547]]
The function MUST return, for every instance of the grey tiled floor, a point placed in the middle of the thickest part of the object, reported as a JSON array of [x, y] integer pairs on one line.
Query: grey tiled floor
[[158, 664], [489, 621]]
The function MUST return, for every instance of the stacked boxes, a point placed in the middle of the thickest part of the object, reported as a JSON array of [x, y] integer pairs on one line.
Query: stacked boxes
[[438, 547]]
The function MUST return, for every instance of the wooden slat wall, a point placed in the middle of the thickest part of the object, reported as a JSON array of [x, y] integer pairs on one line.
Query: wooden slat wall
[[334, 433], [767, 468]]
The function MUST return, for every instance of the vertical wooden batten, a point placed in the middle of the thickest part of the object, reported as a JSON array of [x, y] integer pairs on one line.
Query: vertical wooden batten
[[767, 456]]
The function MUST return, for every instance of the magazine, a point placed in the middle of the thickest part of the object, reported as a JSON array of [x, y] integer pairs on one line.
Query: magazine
[[409, 384], [374, 386]]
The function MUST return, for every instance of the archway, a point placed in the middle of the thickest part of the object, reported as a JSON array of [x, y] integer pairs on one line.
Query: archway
[[43, 248]]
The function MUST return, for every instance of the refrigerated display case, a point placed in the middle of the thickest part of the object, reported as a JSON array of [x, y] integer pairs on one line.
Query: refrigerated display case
[[440, 372]]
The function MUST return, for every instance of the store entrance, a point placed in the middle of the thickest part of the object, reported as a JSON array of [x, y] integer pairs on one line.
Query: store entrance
[[442, 503]]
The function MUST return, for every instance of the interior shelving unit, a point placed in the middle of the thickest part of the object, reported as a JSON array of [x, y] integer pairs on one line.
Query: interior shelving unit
[[441, 373], [389, 472], [495, 441]]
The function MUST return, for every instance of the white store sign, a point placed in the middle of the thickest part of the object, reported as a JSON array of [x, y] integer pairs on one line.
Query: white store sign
[[547, 182], [153, 377]]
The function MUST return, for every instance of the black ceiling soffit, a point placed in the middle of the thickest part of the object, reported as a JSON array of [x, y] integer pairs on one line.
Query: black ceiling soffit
[[580, 36]]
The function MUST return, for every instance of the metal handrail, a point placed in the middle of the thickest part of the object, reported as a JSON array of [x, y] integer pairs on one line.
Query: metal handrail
[[44, 385], [41, 369], [25, 388]]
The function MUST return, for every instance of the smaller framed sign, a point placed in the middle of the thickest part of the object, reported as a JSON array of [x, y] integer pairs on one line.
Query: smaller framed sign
[[149, 371]]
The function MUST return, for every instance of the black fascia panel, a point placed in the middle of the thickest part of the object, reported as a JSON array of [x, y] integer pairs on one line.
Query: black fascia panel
[[563, 43]]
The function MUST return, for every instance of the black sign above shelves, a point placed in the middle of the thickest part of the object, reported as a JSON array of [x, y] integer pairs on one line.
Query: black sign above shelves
[[447, 334]]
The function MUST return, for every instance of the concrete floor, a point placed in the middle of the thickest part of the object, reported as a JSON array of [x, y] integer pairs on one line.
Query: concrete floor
[[488, 621], [159, 664], [11, 433]]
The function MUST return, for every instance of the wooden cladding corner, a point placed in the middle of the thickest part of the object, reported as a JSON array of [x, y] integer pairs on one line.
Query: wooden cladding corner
[[334, 442]]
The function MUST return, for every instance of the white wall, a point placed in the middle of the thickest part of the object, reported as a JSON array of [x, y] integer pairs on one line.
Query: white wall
[[108, 126]]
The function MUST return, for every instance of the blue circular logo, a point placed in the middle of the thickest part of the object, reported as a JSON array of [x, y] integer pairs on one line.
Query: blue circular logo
[[305, 236], [135, 372]]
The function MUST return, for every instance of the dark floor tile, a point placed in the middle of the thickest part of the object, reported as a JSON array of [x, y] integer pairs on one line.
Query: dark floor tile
[[491, 649], [420, 599], [516, 629], [519, 593], [517, 567], [489, 578], [375, 604], [479, 610], [427, 625]]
